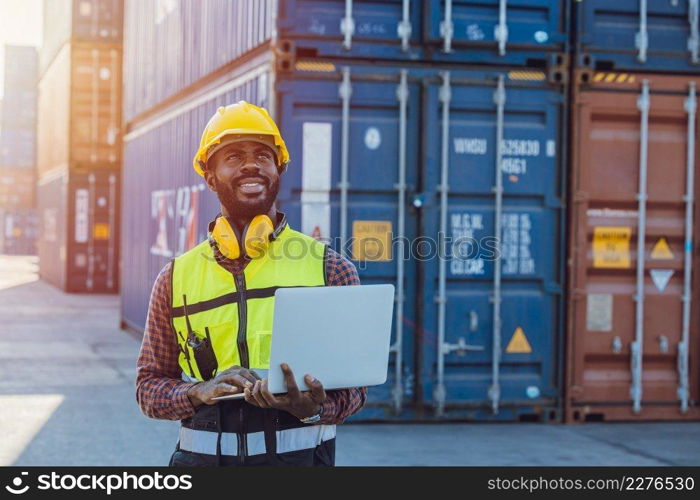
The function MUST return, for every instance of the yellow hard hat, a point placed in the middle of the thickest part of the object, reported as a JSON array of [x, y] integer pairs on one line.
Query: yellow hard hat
[[240, 119]]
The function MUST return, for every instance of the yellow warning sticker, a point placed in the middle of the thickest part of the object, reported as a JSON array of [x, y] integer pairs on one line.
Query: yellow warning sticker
[[518, 342], [661, 250], [611, 246], [100, 231], [371, 240]]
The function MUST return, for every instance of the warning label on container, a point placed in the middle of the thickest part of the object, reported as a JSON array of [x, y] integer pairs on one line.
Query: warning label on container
[[661, 250], [371, 240], [515, 246], [518, 343], [611, 246], [661, 277], [599, 308]]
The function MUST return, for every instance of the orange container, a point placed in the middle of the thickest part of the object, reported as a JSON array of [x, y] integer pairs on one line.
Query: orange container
[[633, 333], [79, 112]]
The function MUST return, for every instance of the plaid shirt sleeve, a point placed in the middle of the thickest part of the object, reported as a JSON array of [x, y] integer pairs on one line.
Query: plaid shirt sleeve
[[342, 403], [160, 391]]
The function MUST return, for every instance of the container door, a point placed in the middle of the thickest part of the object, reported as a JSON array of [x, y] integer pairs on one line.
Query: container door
[[357, 28], [96, 107], [492, 304], [629, 34], [503, 28], [357, 149], [52, 192], [633, 340], [93, 232]]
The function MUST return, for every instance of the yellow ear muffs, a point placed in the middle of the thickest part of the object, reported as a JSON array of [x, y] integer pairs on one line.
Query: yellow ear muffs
[[226, 238], [256, 236]]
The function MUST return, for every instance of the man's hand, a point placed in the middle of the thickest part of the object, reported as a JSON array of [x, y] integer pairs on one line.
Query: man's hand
[[230, 381], [300, 404]]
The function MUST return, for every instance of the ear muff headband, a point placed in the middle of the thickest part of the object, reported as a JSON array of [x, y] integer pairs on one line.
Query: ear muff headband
[[255, 238]]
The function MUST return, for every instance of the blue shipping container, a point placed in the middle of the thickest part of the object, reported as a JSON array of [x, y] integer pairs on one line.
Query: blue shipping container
[[495, 31], [493, 327], [632, 35], [389, 179], [170, 46]]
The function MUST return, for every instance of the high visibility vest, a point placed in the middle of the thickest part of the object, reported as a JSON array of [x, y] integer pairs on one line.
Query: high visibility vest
[[237, 310]]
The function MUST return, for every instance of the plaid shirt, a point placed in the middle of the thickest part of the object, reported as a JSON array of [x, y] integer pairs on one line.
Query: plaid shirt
[[160, 390]]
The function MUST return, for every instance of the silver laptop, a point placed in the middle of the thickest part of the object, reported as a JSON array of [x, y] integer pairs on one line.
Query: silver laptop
[[338, 334]]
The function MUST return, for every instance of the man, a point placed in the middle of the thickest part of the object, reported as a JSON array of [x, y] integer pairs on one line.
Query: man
[[210, 315]]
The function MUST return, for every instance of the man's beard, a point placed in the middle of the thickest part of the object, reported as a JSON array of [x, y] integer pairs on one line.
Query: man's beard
[[248, 209]]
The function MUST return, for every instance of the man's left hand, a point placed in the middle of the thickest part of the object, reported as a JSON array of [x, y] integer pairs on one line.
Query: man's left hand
[[300, 404]]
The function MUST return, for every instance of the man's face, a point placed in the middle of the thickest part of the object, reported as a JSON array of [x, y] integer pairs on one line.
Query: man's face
[[245, 178]]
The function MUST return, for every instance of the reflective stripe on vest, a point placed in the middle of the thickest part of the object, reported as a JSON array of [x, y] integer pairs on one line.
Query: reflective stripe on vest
[[237, 311], [301, 438]]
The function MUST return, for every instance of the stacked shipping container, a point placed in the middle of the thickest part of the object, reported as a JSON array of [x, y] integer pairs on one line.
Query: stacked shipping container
[[79, 150], [18, 152], [633, 332], [428, 127]]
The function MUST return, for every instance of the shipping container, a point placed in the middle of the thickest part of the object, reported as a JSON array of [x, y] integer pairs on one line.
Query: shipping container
[[21, 66], [375, 201], [20, 108], [91, 21], [524, 32], [492, 167], [18, 148], [78, 242], [16, 188], [623, 35], [633, 333], [19, 230], [79, 112], [171, 46], [18, 116]]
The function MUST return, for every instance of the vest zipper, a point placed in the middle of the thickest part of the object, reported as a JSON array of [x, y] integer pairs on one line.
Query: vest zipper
[[242, 321], [242, 343]]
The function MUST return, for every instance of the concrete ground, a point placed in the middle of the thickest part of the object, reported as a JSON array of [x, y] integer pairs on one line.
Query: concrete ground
[[67, 398]]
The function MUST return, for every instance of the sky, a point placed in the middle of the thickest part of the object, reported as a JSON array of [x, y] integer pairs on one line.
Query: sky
[[20, 24]]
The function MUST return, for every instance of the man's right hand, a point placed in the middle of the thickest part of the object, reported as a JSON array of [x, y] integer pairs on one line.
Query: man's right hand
[[230, 381]]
